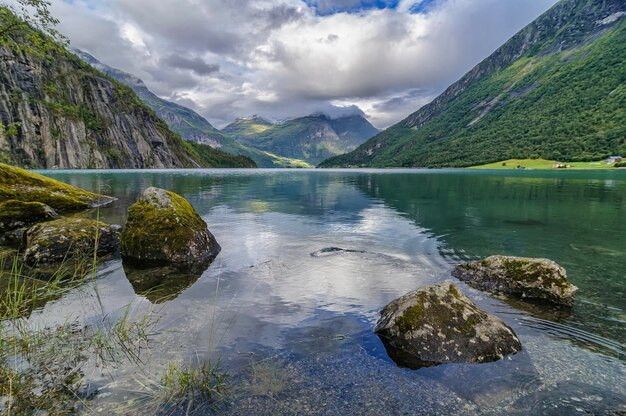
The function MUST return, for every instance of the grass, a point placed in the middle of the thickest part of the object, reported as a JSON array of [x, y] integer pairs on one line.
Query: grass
[[286, 162], [42, 369], [543, 164]]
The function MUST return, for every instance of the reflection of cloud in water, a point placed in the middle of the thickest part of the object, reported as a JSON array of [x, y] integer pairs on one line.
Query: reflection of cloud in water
[[266, 261]]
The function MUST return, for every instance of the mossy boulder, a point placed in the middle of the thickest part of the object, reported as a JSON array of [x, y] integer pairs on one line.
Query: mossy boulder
[[68, 238], [438, 324], [22, 185], [540, 280], [163, 228], [17, 216]]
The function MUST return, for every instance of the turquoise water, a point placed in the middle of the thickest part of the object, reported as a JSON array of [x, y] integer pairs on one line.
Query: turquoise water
[[294, 328]]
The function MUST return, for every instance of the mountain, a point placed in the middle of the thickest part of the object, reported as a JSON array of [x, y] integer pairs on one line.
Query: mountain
[[247, 127], [556, 90], [312, 138], [190, 125], [58, 112]]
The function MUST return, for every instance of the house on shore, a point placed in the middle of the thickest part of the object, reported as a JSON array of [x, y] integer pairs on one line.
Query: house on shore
[[613, 159]]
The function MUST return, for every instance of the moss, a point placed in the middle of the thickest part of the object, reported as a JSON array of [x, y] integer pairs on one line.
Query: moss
[[22, 185], [532, 272], [156, 227], [441, 313], [17, 210]]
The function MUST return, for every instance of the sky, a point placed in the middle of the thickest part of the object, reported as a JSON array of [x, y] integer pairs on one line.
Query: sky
[[288, 58]]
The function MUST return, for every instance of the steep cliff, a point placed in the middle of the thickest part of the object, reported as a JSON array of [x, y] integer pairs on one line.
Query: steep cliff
[[190, 125], [58, 112], [556, 90]]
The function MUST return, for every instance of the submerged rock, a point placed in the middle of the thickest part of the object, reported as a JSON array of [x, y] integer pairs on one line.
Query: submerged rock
[[22, 185], [163, 228], [525, 278], [438, 324], [17, 216], [67, 238]]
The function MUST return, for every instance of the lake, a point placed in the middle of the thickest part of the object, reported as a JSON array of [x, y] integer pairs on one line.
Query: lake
[[293, 324]]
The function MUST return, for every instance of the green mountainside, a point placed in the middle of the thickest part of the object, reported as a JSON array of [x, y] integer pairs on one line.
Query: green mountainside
[[312, 138], [556, 90], [58, 112], [190, 125]]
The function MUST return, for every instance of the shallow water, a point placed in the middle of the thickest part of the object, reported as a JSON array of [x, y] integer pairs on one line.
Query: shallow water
[[293, 322]]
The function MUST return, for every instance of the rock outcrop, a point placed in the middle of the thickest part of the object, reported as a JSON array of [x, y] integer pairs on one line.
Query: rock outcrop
[[438, 324], [529, 279], [163, 228], [21, 185], [57, 111], [68, 238], [17, 216]]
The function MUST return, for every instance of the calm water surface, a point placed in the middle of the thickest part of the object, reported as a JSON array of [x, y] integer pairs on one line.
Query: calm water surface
[[294, 326]]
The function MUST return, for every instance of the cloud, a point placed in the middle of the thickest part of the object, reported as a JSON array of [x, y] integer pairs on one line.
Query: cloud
[[196, 65], [286, 58]]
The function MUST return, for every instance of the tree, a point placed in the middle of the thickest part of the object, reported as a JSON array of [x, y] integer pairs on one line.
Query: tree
[[18, 16]]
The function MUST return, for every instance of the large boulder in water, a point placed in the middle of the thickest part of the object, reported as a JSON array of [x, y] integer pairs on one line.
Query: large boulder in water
[[69, 238], [163, 228], [438, 324], [22, 185], [525, 278], [17, 216]]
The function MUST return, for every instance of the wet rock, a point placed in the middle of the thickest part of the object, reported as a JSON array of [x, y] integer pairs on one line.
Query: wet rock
[[525, 278], [17, 216], [438, 324], [22, 185], [67, 238], [327, 251], [163, 228]]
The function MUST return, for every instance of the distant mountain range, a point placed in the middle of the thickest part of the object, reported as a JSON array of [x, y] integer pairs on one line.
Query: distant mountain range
[[556, 90], [312, 138], [58, 112]]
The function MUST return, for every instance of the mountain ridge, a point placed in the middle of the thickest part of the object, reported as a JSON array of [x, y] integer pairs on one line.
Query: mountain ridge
[[511, 94], [311, 138], [57, 112], [190, 125]]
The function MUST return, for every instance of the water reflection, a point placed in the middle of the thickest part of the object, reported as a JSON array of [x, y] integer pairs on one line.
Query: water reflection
[[392, 232], [160, 284]]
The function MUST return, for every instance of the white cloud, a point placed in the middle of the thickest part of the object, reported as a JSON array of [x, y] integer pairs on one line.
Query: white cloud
[[278, 58]]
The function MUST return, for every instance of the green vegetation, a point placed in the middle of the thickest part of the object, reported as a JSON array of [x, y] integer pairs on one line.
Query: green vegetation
[[567, 105], [21, 185], [42, 369], [209, 157], [184, 383], [247, 127], [18, 19], [542, 164], [68, 92]]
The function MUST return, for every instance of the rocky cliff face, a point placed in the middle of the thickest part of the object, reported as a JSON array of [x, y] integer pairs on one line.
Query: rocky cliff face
[[58, 112], [190, 125]]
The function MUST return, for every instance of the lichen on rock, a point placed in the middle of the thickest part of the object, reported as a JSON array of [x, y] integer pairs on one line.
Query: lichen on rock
[[22, 185], [68, 238], [163, 228], [525, 278], [438, 324]]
